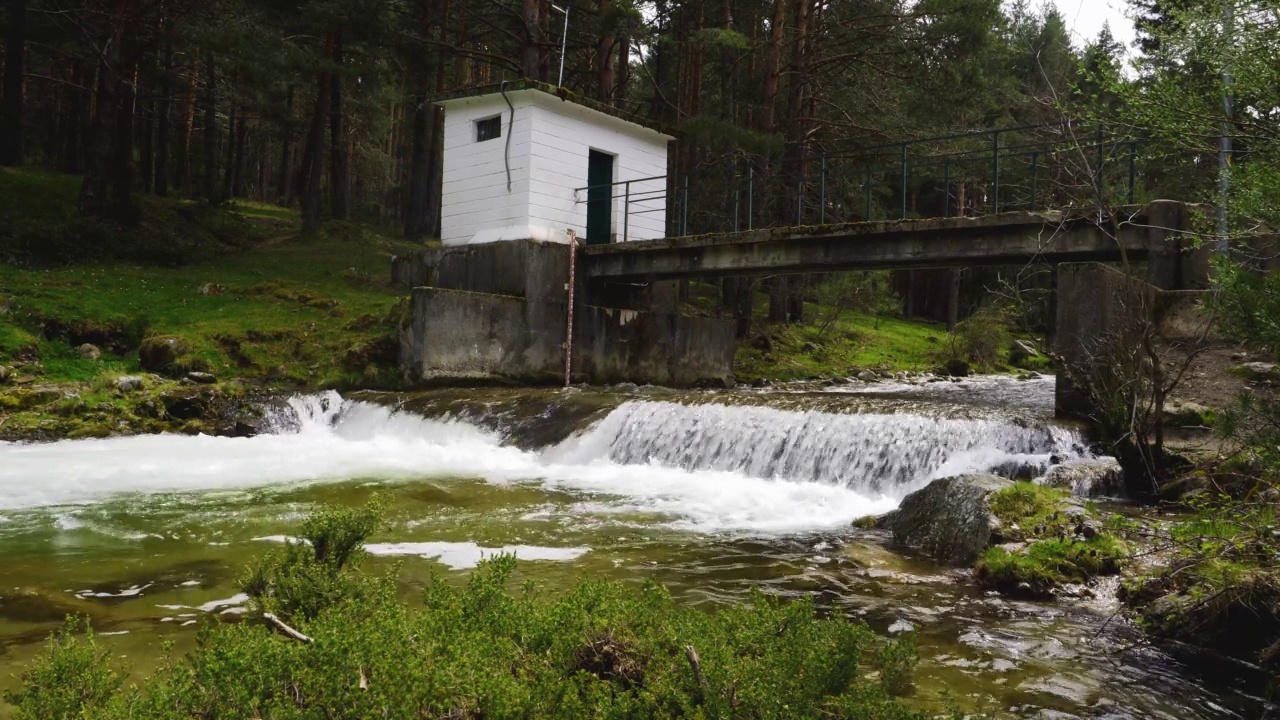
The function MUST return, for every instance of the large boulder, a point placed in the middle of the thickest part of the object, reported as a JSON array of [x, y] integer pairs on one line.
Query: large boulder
[[160, 353], [949, 519], [1087, 478]]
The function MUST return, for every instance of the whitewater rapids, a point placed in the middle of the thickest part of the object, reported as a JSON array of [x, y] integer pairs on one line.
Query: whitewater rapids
[[703, 467]]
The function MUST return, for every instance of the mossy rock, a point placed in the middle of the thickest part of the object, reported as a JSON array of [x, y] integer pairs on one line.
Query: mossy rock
[[1038, 568], [160, 353]]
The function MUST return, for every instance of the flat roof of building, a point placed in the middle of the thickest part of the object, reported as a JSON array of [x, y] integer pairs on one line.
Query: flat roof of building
[[562, 93]]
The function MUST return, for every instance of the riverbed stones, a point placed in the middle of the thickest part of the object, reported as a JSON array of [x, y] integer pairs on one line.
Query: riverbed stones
[[6, 372], [949, 519], [128, 383], [160, 353], [89, 351], [1087, 478], [868, 376], [202, 378], [1260, 371]]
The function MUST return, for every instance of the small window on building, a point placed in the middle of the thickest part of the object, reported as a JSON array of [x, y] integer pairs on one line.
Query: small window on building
[[489, 128]]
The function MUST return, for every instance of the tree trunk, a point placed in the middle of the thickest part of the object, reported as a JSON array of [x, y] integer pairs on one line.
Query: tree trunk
[[531, 41], [415, 222], [146, 153], [78, 102], [339, 174], [163, 124], [15, 51], [313, 157], [120, 203], [96, 184], [229, 176], [773, 61], [210, 131], [604, 60], [284, 190], [745, 306], [624, 71], [183, 161], [238, 166]]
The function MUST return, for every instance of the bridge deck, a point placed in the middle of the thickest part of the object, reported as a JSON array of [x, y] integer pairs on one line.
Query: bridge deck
[[1004, 238]]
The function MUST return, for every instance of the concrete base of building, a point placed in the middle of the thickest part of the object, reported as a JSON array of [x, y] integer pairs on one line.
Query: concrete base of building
[[498, 313]]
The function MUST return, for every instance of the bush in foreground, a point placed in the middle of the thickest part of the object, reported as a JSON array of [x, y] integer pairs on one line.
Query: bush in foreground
[[603, 649]]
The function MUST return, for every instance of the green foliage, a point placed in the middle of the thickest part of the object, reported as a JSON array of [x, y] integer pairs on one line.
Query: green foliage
[[601, 650], [1029, 505], [1059, 549], [1248, 305], [983, 338], [1221, 587], [897, 661], [73, 679], [318, 570], [1046, 564]]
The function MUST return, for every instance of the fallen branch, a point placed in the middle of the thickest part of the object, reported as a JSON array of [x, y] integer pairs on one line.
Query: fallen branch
[[692, 656], [282, 627]]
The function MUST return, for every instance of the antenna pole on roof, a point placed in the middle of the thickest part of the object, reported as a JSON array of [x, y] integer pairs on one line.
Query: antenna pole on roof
[[564, 41]]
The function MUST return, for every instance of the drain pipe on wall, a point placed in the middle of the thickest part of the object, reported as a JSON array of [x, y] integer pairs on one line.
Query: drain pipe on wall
[[568, 333], [506, 153]]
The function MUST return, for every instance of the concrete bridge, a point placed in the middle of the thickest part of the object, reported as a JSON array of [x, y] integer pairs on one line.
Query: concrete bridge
[[501, 312], [1157, 234]]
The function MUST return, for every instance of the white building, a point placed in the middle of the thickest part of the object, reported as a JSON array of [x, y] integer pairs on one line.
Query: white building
[[527, 164]]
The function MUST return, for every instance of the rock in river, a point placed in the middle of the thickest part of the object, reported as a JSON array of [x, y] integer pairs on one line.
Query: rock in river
[[949, 519], [1087, 478]]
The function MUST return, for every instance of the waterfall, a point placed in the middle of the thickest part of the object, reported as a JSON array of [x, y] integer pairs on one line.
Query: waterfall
[[872, 453]]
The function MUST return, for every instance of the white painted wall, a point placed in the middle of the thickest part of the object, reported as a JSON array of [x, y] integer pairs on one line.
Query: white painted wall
[[550, 140]]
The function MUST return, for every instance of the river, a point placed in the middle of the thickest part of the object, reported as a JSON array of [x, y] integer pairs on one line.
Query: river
[[710, 493]]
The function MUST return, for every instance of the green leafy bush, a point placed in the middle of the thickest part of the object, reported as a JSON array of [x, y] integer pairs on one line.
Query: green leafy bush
[[482, 650], [981, 339], [71, 680]]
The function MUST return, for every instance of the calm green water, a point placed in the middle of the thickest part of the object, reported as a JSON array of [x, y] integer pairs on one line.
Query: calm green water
[[711, 495]]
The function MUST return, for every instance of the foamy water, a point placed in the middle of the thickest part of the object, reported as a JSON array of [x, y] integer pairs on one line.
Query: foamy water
[[705, 468]]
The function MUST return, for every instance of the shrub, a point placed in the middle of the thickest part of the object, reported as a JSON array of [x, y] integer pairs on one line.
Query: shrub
[[479, 649], [982, 338], [71, 680]]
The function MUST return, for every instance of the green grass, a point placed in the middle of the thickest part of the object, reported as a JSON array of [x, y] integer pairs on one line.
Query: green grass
[[852, 341], [267, 305], [1054, 553], [1047, 564]]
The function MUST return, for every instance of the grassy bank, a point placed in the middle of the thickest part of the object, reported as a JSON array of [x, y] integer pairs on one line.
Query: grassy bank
[[841, 342], [236, 290]]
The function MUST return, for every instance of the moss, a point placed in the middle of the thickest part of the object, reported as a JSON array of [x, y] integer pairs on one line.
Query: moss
[[1046, 564], [866, 522], [1037, 510]]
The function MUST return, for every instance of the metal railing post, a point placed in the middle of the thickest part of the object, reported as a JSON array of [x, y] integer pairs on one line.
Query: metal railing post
[[1035, 157], [626, 211], [751, 195], [737, 200], [902, 201], [946, 183], [684, 208], [995, 171], [1133, 163], [822, 192]]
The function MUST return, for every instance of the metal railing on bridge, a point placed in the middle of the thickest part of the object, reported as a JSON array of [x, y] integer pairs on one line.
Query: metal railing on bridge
[[1032, 167]]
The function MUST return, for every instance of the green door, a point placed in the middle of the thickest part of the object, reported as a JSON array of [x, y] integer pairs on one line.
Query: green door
[[599, 197]]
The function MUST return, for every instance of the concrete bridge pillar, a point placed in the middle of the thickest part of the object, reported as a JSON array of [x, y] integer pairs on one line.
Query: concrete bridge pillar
[[1177, 257]]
